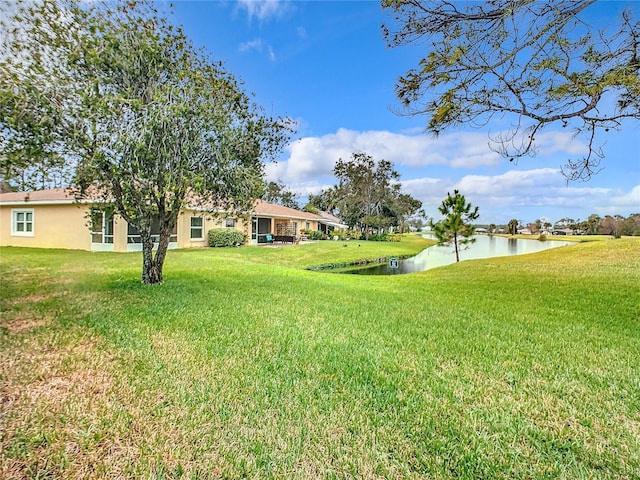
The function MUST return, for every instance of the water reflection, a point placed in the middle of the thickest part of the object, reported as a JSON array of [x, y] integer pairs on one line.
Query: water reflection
[[485, 246]]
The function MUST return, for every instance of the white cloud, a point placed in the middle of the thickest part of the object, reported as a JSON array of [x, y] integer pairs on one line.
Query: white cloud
[[277, 170], [252, 45], [549, 143], [430, 191], [311, 188], [460, 150], [522, 194], [263, 9], [449, 162], [620, 202], [257, 45], [313, 156], [543, 188], [538, 180]]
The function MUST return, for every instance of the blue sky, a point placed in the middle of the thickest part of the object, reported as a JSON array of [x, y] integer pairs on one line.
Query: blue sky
[[326, 65]]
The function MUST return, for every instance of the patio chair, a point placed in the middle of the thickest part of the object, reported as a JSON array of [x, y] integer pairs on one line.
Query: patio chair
[[269, 238]]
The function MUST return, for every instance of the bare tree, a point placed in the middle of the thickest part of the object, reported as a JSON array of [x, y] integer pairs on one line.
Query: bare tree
[[539, 63]]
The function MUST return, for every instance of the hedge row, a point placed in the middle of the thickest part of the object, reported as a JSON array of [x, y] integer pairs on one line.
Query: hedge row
[[225, 237]]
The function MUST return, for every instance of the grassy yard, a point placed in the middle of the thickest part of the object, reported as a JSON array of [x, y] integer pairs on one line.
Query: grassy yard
[[246, 365]]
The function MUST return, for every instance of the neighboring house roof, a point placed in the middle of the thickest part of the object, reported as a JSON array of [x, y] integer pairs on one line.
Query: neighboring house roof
[[63, 195], [272, 210], [332, 220], [55, 195]]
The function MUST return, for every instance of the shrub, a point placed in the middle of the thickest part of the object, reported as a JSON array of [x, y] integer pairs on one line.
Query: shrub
[[225, 237], [317, 235], [542, 237], [380, 237], [394, 237], [349, 234]]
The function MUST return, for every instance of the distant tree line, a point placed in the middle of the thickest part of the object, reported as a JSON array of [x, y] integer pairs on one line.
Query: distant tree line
[[616, 225]]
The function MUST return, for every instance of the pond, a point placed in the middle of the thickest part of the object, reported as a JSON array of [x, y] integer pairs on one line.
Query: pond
[[485, 246]]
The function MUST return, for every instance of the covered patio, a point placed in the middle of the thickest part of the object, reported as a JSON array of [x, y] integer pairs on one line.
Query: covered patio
[[276, 224]]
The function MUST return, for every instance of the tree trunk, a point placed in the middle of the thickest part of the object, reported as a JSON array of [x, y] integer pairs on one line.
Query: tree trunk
[[152, 264], [161, 253], [150, 273], [455, 244]]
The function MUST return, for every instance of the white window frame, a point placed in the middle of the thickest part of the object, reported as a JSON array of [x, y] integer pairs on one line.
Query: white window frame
[[14, 222], [105, 221], [192, 227]]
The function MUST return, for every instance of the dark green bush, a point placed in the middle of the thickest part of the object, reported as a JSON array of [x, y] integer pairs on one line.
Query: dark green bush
[[380, 237], [317, 235], [225, 237]]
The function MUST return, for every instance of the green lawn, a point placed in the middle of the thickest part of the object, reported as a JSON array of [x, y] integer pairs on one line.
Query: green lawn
[[244, 364]]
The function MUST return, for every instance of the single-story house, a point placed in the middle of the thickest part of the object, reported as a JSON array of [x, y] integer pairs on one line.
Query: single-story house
[[53, 219], [330, 222]]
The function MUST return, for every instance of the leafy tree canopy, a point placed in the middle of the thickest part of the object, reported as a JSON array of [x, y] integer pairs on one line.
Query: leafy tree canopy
[[278, 193], [327, 201], [539, 63], [148, 122], [369, 195]]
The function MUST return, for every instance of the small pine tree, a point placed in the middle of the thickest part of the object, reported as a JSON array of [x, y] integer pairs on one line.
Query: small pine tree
[[456, 228]]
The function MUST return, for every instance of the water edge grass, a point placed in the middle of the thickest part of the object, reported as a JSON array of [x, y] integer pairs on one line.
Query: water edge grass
[[243, 364]]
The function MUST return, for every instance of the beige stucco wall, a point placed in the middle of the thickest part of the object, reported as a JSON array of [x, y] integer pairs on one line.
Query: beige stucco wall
[[54, 226], [210, 222], [119, 234], [66, 226]]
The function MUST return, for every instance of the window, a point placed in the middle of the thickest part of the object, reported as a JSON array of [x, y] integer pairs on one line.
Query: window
[[22, 223], [230, 223], [196, 228], [96, 227], [101, 228], [108, 229], [133, 236]]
